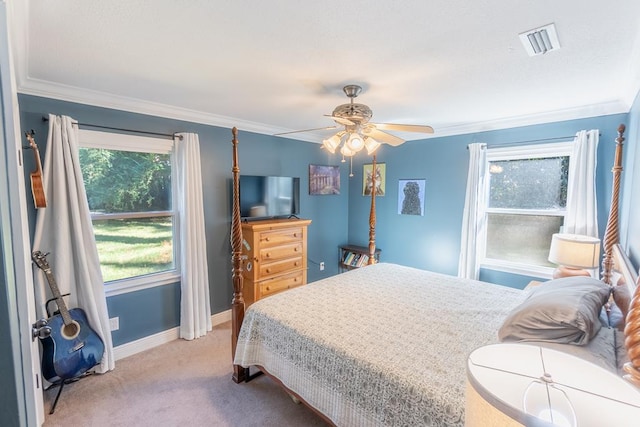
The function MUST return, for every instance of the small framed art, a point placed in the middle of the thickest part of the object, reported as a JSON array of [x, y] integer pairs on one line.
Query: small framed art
[[411, 196], [367, 179], [324, 180]]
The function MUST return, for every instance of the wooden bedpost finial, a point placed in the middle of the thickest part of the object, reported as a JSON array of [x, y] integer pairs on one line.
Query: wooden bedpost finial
[[237, 303]]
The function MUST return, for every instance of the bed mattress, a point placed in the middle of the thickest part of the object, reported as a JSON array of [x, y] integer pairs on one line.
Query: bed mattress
[[381, 345]]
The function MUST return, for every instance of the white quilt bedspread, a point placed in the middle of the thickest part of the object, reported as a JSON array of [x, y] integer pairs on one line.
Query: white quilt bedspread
[[384, 345]]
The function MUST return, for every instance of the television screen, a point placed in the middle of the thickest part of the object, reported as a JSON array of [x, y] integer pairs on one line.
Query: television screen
[[269, 196]]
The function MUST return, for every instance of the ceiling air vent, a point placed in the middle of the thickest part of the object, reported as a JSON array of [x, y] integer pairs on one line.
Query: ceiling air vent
[[541, 40]]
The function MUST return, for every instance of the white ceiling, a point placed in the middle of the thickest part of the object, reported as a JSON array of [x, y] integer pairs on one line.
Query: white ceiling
[[273, 66]]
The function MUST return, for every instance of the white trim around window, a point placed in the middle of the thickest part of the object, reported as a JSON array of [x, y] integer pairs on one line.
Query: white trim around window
[[558, 149], [123, 142], [530, 151], [118, 287], [142, 144]]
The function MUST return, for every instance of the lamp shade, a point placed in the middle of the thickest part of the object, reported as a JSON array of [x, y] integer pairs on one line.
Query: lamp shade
[[371, 144], [345, 151], [332, 143], [355, 142], [521, 384], [574, 250]]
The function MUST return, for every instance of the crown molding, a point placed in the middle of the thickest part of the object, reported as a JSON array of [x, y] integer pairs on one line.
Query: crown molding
[[68, 93], [62, 92], [603, 109]]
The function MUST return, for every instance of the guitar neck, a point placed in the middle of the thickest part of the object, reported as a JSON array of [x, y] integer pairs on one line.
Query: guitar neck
[[62, 307], [37, 157]]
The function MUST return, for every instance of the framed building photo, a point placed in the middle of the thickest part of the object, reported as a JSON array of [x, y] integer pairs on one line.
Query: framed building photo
[[367, 179], [324, 180], [411, 196]]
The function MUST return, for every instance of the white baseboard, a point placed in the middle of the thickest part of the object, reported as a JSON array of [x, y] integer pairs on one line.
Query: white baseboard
[[146, 343]]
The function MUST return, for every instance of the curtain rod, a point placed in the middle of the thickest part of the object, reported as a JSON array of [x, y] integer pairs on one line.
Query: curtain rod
[[166, 135]]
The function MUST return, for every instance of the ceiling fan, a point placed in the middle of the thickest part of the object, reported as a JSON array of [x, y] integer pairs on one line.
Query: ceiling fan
[[359, 132]]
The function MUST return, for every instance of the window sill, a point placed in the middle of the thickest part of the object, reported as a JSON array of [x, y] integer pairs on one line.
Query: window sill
[[530, 270], [139, 283]]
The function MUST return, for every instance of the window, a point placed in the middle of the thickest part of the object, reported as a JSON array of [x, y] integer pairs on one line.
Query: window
[[129, 185], [525, 204]]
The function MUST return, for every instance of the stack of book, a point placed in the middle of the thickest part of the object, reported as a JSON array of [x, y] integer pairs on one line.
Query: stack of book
[[355, 259]]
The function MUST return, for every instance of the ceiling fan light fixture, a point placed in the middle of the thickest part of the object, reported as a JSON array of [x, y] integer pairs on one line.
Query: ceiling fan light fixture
[[355, 142], [345, 151], [330, 144], [371, 145]]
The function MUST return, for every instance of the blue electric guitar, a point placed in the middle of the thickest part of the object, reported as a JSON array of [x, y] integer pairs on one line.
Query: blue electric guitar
[[73, 347]]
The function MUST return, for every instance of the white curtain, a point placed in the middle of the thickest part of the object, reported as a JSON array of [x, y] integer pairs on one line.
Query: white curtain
[[472, 223], [581, 217], [64, 230], [195, 309]]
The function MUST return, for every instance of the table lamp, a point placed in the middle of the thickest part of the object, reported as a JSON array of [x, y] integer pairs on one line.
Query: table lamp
[[573, 253], [517, 385]]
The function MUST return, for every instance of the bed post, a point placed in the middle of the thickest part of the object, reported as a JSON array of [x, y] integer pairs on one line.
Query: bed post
[[237, 303], [611, 238], [372, 216], [612, 235]]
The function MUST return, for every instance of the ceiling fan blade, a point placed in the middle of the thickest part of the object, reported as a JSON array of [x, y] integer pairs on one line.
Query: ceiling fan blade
[[403, 128], [380, 136], [341, 120], [305, 130]]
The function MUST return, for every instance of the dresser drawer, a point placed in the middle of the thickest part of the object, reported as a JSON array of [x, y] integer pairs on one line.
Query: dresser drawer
[[278, 237], [282, 283], [281, 252], [271, 268]]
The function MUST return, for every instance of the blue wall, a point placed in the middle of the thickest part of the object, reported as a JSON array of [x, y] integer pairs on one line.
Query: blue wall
[[432, 241], [145, 312], [429, 242]]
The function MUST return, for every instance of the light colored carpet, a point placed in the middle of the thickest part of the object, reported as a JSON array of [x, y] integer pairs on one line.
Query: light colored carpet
[[180, 383]]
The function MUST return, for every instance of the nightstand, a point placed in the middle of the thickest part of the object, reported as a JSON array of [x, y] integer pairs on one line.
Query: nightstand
[[499, 375]]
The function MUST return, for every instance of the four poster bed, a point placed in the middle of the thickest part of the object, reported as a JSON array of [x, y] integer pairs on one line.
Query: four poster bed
[[388, 344]]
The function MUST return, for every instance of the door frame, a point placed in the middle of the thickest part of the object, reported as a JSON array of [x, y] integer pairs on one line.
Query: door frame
[[16, 243]]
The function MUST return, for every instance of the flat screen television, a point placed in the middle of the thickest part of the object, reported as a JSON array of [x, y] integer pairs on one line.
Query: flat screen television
[[269, 196]]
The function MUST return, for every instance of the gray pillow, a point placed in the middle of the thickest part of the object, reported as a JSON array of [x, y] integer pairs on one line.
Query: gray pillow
[[563, 310]]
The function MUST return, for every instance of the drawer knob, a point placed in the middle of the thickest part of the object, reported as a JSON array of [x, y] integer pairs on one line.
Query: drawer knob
[[296, 263], [268, 288], [296, 249], [268, 270], [268, 254], [295, 280], [268, 239]]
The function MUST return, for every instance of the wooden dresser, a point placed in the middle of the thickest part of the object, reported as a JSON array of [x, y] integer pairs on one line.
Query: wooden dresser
[[276, 257]]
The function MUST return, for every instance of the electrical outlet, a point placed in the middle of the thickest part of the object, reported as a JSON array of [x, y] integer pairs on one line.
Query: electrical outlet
[[322, 266], [114, 323]]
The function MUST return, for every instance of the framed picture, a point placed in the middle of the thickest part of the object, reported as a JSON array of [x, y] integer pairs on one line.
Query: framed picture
[[367, 179], [324, 180], [411, 196]]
